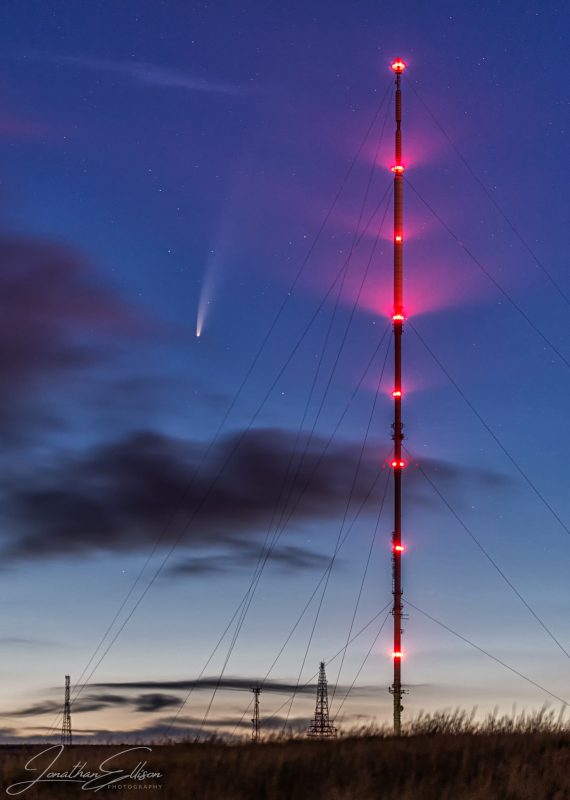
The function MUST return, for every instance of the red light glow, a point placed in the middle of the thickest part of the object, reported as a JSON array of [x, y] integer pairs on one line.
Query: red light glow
[[398, 240], [399, 548], [398, 169], [398, 464], [397, 318], [396, 654], [398, 65], [396, 393]]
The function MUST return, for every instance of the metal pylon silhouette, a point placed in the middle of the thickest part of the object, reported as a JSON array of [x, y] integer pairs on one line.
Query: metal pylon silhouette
[[255, 721], [66, 726], [320, 727]]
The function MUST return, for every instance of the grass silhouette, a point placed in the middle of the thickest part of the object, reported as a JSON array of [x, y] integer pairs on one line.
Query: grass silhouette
[[441, 756]]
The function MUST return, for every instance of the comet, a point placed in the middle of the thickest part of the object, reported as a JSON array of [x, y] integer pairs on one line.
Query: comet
[[213, 274], [224, 244], [206, 293]]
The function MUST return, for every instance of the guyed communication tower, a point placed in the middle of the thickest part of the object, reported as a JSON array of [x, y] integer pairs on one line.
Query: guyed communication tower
[[398, 462]]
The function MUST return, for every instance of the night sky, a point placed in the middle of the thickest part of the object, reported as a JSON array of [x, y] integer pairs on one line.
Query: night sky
[[166, 168]]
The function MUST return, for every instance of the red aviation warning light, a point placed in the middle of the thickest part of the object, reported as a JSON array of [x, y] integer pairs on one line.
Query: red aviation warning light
[[398, 318], [399, 548], [398, 65], [398, 169], [396, 393], [398, 238], [396, 654], [398, 464]]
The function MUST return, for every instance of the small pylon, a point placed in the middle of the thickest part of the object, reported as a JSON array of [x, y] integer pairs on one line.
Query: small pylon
[[320, 727], [255, 721], [66, 726]]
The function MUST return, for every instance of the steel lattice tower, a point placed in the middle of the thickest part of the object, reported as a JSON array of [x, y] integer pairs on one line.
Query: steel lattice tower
[[66, 726], [255, 723], [398, 463], [320, 727]]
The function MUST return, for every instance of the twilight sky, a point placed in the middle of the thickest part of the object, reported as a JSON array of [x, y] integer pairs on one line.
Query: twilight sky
[[166, 168]]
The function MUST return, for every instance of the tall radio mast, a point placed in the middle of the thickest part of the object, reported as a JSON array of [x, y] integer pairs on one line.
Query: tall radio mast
[[398, 463]]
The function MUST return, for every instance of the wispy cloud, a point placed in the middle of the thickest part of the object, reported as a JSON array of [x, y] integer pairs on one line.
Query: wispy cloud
[[11, 641], [146, 74]]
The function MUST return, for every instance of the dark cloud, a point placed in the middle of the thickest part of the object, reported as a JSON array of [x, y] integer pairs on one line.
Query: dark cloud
[[287, 557], [120, 496], [209, 683], [146, 702], [185, 729], [55, 319], [154, 696], [46, 292], [48, 707], [155, 701], [83, 704]]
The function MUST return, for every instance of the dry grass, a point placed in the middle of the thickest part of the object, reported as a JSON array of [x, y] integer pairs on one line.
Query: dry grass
[[441, 757]]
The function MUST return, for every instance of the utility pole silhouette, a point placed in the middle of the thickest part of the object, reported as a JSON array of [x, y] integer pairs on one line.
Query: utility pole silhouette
[[255, 722], [66, 726], [398, 464], [320, 727]]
